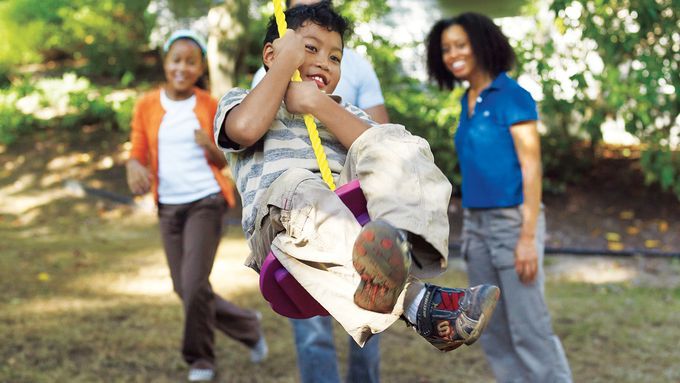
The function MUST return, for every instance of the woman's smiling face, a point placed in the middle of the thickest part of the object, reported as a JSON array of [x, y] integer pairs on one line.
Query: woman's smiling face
[[457, 53]]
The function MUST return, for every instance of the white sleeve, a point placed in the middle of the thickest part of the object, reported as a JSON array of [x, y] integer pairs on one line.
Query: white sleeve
[[369, 93], [257, 77]]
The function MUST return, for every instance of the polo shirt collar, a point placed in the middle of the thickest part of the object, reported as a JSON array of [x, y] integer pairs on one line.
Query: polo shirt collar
[[499, 82]]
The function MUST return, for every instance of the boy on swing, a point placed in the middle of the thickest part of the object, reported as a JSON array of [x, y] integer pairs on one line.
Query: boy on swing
[[366, 278]]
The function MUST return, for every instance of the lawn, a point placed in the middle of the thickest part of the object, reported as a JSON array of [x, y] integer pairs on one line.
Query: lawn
[[85, 295]]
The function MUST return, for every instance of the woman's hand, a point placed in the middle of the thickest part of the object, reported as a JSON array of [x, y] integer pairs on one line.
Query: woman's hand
[[526, 259], [138, 177]]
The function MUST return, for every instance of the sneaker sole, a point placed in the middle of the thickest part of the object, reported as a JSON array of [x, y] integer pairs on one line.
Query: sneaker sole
[[383, 266], [488, 305]]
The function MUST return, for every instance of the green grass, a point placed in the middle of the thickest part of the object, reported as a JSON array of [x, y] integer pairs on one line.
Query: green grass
[[106, 313], [85, 296]]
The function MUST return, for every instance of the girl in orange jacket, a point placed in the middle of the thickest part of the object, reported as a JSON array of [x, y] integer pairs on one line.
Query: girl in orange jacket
[[174, 155]]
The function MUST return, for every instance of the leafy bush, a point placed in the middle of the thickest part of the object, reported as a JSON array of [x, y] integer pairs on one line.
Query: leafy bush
[[123, 109], [13, 122], [108, 34], [621, 63], [61, 103]]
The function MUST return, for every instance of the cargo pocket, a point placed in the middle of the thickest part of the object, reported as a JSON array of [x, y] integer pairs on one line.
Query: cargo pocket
[[505, 227], [464, 248]]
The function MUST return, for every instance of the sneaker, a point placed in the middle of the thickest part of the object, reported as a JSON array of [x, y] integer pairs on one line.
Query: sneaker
[[382, 257], [201, 371], [449, 318], [260, 351]]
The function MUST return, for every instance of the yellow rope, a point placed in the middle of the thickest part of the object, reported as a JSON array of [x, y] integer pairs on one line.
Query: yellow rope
[[320, 154]]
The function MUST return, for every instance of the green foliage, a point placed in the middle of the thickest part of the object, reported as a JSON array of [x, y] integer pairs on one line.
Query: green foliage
[[662, 166], [622, 65], [123, 110], [108, 34], [68, 102], [13, 122]]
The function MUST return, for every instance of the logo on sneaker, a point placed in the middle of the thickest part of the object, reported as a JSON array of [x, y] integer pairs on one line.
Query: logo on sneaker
[[455, 324]]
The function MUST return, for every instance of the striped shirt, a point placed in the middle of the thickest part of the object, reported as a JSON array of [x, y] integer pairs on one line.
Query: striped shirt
[[286, 145]]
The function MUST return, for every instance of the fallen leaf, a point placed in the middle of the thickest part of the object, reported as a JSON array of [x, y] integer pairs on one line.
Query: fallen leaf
[[632, 230], [627, 214], [663, 226], [43, 277], [651, 243], [613, 237], [615, 246]]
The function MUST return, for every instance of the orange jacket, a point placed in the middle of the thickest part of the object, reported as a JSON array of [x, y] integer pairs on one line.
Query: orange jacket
[[146, 122]]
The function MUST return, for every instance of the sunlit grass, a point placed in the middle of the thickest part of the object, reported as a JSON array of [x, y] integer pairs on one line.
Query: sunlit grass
[[106, 312]]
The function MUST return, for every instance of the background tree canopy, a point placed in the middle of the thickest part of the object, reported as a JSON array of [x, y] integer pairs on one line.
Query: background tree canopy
[[620, 59]]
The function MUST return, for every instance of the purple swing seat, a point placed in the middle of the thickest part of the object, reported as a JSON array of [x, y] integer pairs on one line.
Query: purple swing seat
[[284, 294]]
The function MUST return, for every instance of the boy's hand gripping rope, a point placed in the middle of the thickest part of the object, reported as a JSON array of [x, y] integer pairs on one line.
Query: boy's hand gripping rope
[[320, 154]]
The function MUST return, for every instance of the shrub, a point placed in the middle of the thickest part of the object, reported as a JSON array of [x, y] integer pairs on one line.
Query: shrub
[[108, 34], [61, 103]]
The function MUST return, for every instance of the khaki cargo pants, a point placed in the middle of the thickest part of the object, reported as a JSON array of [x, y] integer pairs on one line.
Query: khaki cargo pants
[[312, 232]]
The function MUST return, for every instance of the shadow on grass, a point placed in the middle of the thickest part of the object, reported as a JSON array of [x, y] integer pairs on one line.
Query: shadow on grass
[[85, 296]]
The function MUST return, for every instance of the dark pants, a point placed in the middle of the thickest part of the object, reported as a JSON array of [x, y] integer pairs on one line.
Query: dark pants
[[191, 233]]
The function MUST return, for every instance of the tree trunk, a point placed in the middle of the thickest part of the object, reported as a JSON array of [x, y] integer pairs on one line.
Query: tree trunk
[[227, 40]]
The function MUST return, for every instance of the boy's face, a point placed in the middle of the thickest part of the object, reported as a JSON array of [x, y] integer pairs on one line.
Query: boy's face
[[324, 53]]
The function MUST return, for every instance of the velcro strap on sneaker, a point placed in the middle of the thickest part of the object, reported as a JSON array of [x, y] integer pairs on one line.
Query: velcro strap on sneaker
[[423, 324]]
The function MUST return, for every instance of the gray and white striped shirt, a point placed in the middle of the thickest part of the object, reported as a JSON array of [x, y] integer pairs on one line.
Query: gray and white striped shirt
[[286, 145]]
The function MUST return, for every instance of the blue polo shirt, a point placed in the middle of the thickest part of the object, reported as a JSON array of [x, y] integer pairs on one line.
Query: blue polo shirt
[[492, 177]]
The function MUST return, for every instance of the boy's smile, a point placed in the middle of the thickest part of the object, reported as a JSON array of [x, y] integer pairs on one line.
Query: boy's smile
[[323, 55]]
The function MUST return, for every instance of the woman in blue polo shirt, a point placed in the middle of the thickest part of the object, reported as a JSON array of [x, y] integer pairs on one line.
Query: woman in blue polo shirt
[[498, 150]]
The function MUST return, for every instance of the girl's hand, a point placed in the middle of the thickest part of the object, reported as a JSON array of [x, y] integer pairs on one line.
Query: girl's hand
[[526, 259], [302, 97], [138, 177], [289, 49], [202, 138]]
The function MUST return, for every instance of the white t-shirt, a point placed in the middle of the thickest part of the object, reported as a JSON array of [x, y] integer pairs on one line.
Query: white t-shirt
[[183, 172], [358, 84]]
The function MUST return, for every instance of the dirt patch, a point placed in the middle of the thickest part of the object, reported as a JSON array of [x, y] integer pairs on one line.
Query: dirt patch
[[609, 209]]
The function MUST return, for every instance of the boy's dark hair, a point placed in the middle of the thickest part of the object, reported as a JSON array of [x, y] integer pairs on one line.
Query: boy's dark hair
[[328, 1], [490, 47], [321, 14]]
